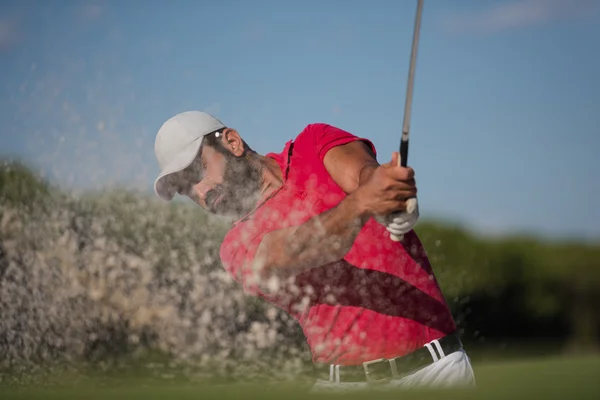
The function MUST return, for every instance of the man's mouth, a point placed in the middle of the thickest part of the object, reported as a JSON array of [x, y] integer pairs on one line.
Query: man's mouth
[[216, 201]]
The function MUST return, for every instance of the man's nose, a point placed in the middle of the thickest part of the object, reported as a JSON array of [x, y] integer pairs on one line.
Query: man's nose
[[201, 189]]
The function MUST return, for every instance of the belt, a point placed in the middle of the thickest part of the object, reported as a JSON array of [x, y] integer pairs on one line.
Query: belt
[[382, 370]]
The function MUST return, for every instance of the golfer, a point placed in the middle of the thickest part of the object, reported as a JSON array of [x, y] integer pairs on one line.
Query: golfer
[[310, 234]]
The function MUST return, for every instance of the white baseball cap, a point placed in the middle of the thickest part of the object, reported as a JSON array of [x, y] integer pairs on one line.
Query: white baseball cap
[[177, 144]]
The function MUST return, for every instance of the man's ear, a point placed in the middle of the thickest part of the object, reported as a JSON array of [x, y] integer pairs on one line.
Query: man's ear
[[233, 142]]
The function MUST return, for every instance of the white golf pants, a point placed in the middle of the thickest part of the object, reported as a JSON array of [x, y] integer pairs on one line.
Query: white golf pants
[[453, 370]]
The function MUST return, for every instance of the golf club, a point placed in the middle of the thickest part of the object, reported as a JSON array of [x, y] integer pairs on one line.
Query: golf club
[[411, 204]]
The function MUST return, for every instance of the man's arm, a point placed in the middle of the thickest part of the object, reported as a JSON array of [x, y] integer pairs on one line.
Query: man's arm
[[372, 189], [322, 239], [350, 165]]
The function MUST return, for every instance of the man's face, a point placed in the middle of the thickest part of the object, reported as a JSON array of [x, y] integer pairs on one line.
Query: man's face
[[229, 185]]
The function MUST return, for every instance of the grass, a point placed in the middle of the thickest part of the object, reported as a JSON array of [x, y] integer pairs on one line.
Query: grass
[[544, 378]]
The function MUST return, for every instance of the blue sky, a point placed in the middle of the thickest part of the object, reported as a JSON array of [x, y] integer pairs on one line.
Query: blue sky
[[505, 127]]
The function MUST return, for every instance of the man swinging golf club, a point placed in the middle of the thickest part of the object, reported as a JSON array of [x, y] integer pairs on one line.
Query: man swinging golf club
[[321, 231]]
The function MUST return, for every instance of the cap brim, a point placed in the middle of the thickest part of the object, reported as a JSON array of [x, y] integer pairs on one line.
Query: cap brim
[[164, 185]]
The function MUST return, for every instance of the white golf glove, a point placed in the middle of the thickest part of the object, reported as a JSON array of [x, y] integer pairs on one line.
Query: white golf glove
[[400, 223]]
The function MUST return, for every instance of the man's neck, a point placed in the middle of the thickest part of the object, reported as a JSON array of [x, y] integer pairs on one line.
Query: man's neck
[[271, 175]]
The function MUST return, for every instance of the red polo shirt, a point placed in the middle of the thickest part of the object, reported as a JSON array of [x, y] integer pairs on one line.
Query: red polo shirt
[[380, 300]]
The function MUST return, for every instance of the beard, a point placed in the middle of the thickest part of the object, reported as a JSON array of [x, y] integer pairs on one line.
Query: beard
[[239, 192]]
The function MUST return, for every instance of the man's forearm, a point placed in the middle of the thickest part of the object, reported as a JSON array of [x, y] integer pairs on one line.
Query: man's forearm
[[323, 239], [329, 236]]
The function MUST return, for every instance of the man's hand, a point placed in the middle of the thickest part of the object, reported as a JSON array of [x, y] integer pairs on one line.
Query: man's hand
[[399, 211], [400, 223], [352, 166], [387, 189]]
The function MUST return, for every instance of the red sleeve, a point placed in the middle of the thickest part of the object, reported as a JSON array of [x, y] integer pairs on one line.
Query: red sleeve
[[327, 137]]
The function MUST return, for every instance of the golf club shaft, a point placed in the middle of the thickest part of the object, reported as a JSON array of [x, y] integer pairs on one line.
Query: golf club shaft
[[411, 204], [409, 88]]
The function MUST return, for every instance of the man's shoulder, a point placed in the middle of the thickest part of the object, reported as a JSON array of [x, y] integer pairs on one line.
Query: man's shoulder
[[227, 246], [304, 140], [314, 129], [233, 239], [232, 250], [236, 252], [318, 125], [242, 237]]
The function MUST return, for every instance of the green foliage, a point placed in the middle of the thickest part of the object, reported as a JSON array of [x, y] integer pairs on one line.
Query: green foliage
[[19, 186], [538, 280], [465, 263]]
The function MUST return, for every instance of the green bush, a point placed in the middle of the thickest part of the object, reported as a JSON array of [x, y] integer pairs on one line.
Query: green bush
[[19, 185], [517, 286]]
